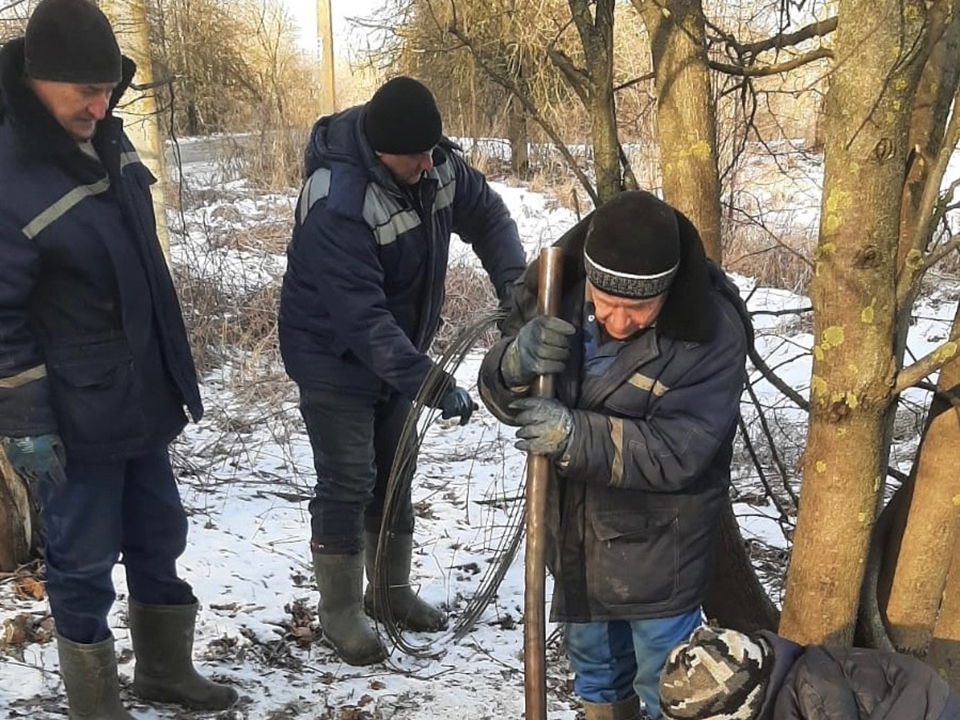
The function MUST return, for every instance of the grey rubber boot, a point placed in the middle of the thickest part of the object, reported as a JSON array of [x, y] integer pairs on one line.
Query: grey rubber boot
[[163, 646], [90, 676], [407, 609], [340, 579], [628, 709]]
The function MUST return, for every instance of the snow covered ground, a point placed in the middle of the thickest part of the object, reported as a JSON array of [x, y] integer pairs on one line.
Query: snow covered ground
[[246, 478]]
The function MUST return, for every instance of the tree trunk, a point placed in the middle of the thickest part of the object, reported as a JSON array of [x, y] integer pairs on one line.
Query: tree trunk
[[606, 147], [735, 598], [933, 521], [878, 62], [686, 114], [141, 123], [19, 522], [519, 140], [595, 88], [931, 108], [944, 653]]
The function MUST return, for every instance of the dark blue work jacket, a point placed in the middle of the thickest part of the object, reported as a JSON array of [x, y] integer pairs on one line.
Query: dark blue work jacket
[[364, 285], [92, 342]]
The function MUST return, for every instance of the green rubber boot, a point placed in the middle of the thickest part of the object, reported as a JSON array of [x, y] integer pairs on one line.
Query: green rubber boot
[[407, 608], [163, 646], [90, 676], [340, 579]]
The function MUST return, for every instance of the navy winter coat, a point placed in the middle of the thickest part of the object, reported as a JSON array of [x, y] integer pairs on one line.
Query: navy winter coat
[[632, 519], [844, 683], [92, 343], [364, 285]]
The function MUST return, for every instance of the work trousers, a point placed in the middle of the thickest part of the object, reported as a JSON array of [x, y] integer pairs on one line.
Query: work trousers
[[128, 509], [354, 441], [614, 660]]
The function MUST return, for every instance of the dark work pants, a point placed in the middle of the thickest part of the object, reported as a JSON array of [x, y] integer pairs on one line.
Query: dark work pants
[[354, 442], [130, 508]]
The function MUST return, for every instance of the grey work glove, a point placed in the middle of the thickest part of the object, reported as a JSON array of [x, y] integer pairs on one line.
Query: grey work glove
[[457, 402], [545, 426], [542, 347], [37, 458]]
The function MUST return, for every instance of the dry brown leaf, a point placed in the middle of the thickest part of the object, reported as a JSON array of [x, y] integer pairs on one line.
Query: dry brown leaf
[[29, 588], [17, 630]]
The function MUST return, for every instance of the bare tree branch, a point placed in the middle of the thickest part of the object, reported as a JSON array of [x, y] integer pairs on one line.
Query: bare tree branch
[[820, 28], [579, 80], [760, 364], [635, 81], [910, 376], [11, 6], [781, 468], [775, 69], [505, 82], [913, 270], [941, 252]]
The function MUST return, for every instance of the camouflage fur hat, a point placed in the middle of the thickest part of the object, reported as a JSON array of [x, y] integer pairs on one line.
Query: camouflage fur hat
[[716, 675]]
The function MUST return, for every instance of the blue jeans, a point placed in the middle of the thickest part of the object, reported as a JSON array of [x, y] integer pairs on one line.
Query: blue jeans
[[130, 508], [354, 442], [613, 660]]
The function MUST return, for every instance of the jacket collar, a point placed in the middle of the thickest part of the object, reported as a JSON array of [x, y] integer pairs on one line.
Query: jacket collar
[[785, 655], [38, 133]]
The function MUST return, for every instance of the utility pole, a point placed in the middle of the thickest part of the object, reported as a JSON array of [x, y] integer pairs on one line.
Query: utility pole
[[140, 119], [328, 97]]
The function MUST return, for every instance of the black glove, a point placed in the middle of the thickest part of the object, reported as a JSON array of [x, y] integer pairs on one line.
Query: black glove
[[457, 401], [37, 458], [545, 426], [542, 347]]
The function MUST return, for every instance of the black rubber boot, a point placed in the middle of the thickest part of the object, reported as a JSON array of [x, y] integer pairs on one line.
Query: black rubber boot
[[163, 646], [340, 579], [90, 676], [407, 609], [628, 709]]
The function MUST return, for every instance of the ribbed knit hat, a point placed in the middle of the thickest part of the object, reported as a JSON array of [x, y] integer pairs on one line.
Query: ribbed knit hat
[[716, 675], [71, 41], [402, 118], [632, 248]]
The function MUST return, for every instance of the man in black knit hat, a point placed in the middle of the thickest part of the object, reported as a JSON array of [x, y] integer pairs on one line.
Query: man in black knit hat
[[95, 369], [649, 350], [359, 308]]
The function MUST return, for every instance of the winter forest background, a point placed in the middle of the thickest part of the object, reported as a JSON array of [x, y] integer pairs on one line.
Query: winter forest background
[[813, 143]]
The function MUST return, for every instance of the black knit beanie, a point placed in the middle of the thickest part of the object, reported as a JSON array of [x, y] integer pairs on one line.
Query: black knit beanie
[[632, 248], [402, 118], [71, 41]]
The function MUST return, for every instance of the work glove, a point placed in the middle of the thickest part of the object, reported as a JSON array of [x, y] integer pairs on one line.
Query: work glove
[[542, 347], [545, 426], [37, 458], [457, 402]]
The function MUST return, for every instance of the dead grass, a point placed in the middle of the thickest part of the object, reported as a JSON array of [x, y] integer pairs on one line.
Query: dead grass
[[779, 260], [469, 296], [270, 159]]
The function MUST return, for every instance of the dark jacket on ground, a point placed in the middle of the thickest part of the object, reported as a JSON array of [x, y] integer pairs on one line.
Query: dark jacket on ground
[[92, 342], [364, 285], [633, 517], [821, 683]]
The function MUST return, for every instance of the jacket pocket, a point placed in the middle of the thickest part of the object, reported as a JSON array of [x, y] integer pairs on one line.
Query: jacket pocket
[[97, 397], [635, 557]]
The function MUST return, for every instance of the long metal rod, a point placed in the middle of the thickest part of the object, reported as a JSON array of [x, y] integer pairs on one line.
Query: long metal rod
[[538, 473]]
